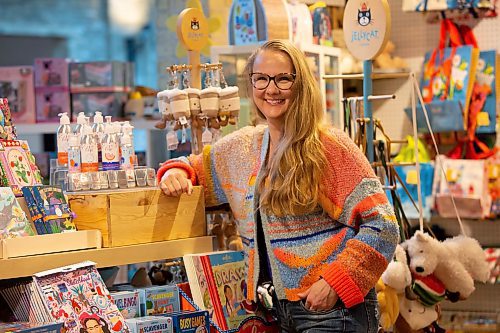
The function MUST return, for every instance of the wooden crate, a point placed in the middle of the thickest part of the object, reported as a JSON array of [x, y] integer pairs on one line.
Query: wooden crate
[[50, 243], [140, 216]]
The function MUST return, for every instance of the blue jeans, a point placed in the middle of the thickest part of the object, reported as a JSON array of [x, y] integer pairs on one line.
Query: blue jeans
[[295, 318]]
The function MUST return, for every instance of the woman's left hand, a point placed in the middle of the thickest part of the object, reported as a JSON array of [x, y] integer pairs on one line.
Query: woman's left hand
[[319, 297]]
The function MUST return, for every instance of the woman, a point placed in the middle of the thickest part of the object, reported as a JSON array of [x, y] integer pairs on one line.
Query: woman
[[312, 214]]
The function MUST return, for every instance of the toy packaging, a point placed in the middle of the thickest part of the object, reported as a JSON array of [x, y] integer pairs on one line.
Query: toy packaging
[[128, 303], [90, 76], [13, 220], [150, 324], [51, 72], [159, 300], [77, 296], [190, 322], [16, 84]]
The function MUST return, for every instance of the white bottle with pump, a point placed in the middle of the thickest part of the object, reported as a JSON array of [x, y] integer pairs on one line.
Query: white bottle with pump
[[110, 147], [88, 148], [129, 130], [127, 152], [74, 160], [63, 133], [80, 121], [98, 129]]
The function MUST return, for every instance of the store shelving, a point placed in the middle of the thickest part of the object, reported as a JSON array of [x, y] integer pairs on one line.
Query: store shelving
[[105, 257]]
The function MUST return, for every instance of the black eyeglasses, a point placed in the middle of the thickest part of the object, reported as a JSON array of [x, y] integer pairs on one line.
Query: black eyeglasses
[[283, 81]]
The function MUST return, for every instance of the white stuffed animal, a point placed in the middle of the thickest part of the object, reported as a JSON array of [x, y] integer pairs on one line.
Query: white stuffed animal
[[456, 262], [397, 275], [415, 314]]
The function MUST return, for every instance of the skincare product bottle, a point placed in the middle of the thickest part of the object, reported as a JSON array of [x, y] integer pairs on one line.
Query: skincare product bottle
[[110, 147], [88, 147], [63, 133], [74, 160], [98, 129]]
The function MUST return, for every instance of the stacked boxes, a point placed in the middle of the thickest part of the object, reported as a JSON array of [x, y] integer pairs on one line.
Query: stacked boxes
[[100, 86], [51, 88], [16, 84]]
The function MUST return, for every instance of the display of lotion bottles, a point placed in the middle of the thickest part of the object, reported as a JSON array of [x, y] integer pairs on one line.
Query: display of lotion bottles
[[110, 147], [98, 129], [80, 121], [127, 152], [74, 161], [88, 150], [63, 133], [129, 129]]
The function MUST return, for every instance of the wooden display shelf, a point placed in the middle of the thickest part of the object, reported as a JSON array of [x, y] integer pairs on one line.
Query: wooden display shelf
[[105, 257], [50, 243]]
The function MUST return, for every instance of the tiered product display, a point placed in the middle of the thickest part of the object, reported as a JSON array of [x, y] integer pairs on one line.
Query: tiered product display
[[99, 208]]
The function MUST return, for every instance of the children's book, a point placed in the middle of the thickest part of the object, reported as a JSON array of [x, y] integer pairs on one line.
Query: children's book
[[18, 166], [190, 322], [77, 296], [219, 285], [13, 220], [49, 208], [128, 303], [159, 300]]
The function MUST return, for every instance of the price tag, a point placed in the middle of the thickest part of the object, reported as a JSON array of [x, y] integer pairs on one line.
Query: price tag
[[206, 137], [412, 177], [172, 141], [183, 120], [483, 119]]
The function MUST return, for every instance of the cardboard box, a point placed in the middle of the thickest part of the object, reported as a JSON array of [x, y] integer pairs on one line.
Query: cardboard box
[[50, 102], [17, 85], [52, 72], [90, 76], [137, 216], [109, 103]]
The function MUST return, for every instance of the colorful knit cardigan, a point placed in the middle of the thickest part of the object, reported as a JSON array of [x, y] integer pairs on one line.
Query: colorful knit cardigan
[[348, 243]]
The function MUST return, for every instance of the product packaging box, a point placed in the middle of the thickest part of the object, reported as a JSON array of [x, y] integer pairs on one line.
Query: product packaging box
[[51, 72], [128, 303], [109, 103], [94, 76], [190, 322], [17, 85], [159, 300], [50, 102], [150, 324]]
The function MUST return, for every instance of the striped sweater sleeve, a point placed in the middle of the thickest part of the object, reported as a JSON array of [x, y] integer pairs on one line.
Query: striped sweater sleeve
[[353, 195]]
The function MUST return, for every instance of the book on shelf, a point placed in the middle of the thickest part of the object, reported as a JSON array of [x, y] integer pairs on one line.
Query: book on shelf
[[49, 209], [219, 285], [13, 221], [30, 327], [74, 295]]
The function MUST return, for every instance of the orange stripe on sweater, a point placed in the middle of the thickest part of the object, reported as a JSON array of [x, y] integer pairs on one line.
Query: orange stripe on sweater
[[285, 231], [294, 261], [366, 204]]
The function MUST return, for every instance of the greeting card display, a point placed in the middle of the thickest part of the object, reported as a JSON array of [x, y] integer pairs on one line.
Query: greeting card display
[[77, 296], [18, 166], [13, 220]]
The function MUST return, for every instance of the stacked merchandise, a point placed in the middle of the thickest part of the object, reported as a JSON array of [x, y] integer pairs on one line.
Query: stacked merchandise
[[100, 86], [20, 176], [16, 85], [77, 297], [51, 88]]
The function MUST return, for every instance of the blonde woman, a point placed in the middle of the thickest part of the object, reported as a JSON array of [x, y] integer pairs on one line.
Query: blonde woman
[[312, 214]]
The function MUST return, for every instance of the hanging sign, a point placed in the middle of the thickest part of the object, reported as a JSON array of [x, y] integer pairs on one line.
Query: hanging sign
[[192, 29], [367, 26]]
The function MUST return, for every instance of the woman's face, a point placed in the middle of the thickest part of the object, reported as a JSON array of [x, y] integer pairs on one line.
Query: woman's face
[[93, 326], [272, 101]]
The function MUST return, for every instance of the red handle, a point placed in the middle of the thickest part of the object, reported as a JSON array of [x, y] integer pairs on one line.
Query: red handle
[[449, 29]]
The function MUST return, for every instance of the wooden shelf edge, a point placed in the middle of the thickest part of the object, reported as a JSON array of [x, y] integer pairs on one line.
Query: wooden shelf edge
[[105, 257]]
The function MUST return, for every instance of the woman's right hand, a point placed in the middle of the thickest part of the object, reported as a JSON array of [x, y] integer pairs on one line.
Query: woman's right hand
[[175, 181]]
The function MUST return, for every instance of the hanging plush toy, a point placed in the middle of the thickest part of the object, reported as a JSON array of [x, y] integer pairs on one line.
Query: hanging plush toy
[[456, 262], [229, 101]]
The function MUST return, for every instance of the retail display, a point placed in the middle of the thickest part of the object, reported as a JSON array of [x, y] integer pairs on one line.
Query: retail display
[[13, 220], [218, 285], [17, 85], [128, 303]]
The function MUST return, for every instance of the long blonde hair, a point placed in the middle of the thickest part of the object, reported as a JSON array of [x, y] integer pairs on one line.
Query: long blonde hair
[[291, 182]]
